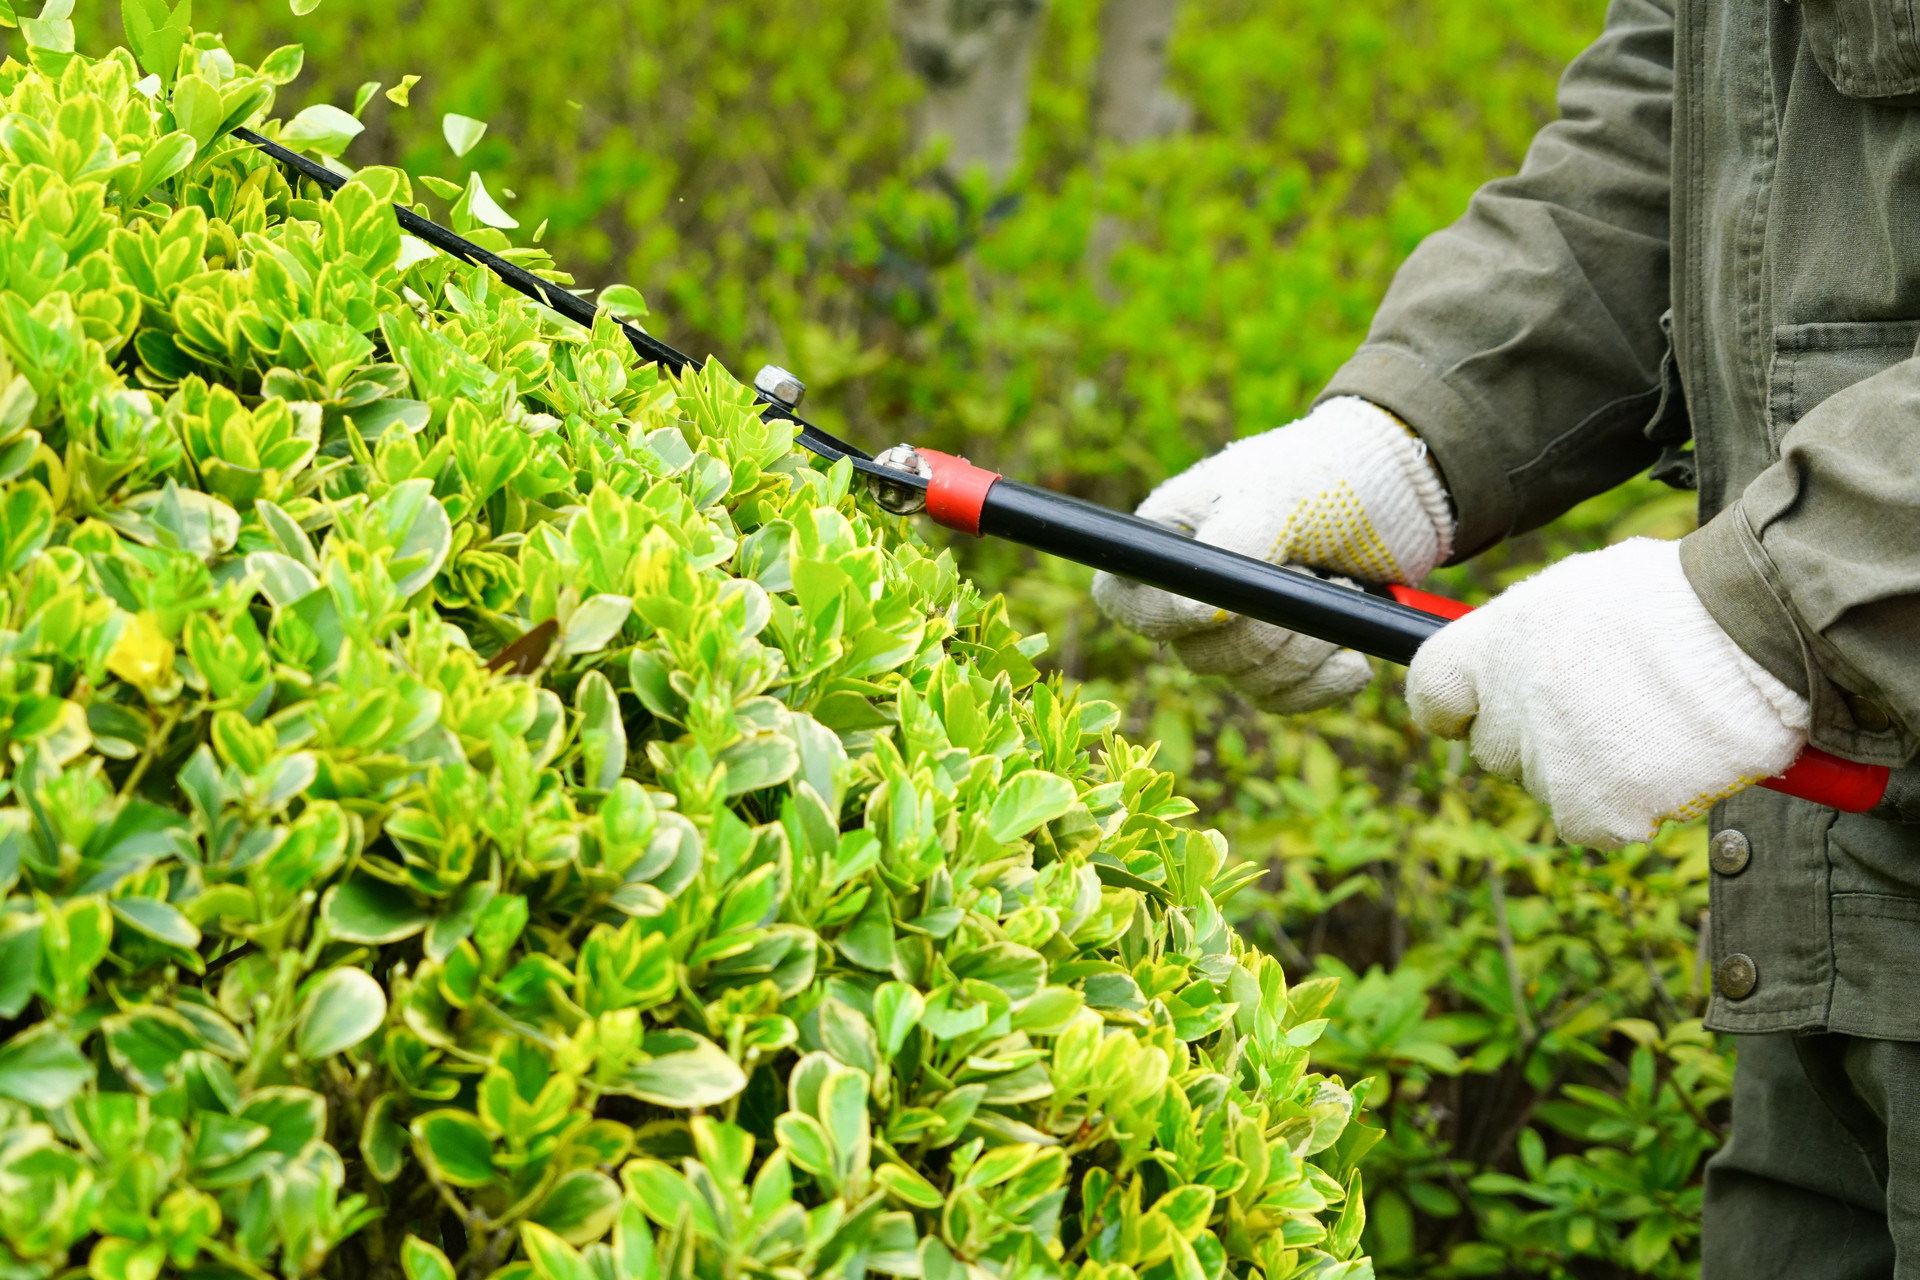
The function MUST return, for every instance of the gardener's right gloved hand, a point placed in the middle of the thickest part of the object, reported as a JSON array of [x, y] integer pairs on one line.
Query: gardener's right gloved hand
[[1348, 489]]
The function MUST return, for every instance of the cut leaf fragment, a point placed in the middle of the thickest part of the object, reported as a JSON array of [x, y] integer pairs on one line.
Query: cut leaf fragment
[[462, 133]]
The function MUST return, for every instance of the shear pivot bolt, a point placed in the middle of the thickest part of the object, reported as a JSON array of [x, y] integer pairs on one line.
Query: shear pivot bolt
[[900, 499], [777, 384]]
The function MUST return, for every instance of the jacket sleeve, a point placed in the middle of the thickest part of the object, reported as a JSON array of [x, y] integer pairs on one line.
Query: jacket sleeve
[[1524, 343], [1815, 570]]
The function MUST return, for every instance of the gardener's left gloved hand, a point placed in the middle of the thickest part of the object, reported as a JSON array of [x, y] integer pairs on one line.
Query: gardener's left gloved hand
[[1606, 687]]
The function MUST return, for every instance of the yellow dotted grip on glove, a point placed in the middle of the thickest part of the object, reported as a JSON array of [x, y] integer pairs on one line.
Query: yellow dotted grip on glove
[[1331, 530]]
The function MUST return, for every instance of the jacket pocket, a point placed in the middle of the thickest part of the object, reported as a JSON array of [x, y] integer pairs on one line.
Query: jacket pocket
[[1868, 48], [1814, 361]]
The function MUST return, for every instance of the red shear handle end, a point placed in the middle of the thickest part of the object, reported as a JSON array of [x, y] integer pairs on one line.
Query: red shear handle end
[[1824, 779], [1427, 602], [1827, 780], [957, 491]]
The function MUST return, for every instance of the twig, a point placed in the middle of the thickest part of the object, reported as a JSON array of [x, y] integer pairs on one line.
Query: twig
[[1516, 988], [155, 743], [1702, 952]]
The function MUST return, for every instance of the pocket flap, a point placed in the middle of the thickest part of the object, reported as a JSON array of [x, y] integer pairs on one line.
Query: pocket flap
[[1814, 361], [1868, 48]]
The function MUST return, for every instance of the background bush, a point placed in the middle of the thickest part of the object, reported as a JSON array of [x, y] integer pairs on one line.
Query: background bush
[[1529, 1011]]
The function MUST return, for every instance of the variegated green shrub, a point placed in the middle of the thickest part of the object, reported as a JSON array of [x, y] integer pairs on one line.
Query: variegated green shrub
[[475, 806]]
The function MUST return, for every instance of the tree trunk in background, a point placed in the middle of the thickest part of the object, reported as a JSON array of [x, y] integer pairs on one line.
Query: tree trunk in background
[[976, 58], [1131, 102]]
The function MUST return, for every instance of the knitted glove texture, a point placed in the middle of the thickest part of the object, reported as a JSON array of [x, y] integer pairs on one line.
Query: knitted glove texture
[[1606, 687], [1348, 489]]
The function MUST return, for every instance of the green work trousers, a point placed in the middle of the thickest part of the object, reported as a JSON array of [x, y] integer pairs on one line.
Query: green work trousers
[[1821, 1180]]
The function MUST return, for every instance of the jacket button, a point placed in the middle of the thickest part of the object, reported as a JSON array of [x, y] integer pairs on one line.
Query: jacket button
[[1729, 852], [1868, 714], [1737, 977]]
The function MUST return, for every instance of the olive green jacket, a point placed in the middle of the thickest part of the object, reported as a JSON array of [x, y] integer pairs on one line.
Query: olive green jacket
[[1721, 234]]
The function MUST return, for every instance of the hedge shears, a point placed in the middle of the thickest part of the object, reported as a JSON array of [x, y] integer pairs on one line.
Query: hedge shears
[[1388, 622]]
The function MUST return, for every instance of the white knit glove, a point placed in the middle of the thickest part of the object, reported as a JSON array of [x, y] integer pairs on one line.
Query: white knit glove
[[1348, 488], [1606, 687]]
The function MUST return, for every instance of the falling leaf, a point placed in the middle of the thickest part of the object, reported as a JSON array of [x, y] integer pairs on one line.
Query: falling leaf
[[484, 208], [624, 301], [398, 95], [462, 132]]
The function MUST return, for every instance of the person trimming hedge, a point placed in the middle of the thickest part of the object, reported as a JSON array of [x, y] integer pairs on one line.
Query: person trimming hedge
[[1719, 238]]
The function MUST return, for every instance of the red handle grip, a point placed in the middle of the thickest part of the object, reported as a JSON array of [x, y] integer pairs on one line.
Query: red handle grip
[[1826, 780]]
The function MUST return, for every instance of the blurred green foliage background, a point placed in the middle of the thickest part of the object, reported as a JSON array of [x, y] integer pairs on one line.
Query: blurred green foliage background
[[1106, 318]]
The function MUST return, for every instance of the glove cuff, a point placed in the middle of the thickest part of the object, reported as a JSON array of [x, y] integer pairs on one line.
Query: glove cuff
[[1410, 492]]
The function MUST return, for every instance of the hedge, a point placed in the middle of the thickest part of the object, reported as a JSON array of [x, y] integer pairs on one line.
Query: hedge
[[478, 806]]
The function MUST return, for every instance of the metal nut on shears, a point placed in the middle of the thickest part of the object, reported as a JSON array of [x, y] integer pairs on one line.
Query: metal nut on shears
[[776, 383], [900, 499]]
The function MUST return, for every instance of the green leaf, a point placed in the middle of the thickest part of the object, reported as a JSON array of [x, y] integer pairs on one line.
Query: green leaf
[[343, 1008], [146, 1044], [221, 1139], [624, 301], [896, 1011], [687, 1071], [50, 35], [1343, 1242], [805, 1141], [478, 203], [301, 8], [552, 1257], [383, 1143], [41, 1067], [422, 1261], [603, 733], [1029, 800], [462, 132], [401, 94], [457, 920], [197, 109], [295, 1119], [666, 1195], [908, 1187], [455, 1146], [1018, 971], [157, 920], [19, 958], [581, 1207], [321, 128], [157, 34], [283, 580], [594, 624], [118, 1258], [283, 65], [26, 523], [428, 536], [372, 911], [168, 156], [758, 762]]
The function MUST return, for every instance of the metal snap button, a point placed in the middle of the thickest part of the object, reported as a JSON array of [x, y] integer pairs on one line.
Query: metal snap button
[[1868, 714], [1729, 852], [1737, 976]]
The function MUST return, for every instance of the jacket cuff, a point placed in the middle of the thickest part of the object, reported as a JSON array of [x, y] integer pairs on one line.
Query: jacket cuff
[[1452, 427], [1732, 575], [1740, 586]]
